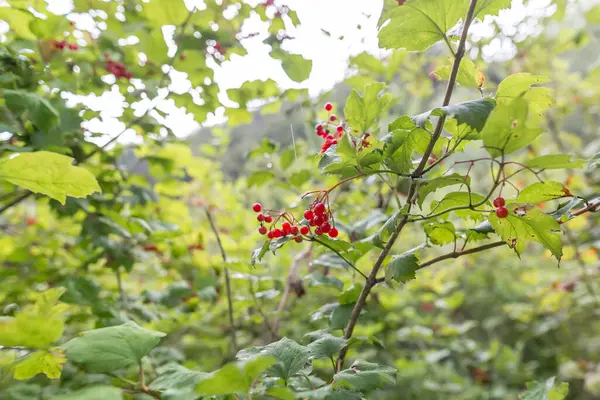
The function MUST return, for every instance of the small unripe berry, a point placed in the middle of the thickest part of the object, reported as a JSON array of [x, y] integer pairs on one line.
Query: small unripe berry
[[502, 212], [499, 202], [294, 230], [304, 230], [298, 239], [257, 207], [268, 219], [286, 227], [333, 233], [260, 217], [332, 117], [328, 106], [262, 230], [277, 233], [325, 228], [320, 208], [308, 214]]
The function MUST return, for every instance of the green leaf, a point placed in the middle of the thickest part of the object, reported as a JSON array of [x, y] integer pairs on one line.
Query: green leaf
[[38, 109], [93, 392], [460, 199], [402, 268], [524, 225], [538, 99], [327, 346], [328, 392], [238, 116], [52, 26], [290, 357], [490, 7], [156, 12], [287, 158], [555, 161], [362, 112], [108, 349], [295, 66], [36, 326], [350, 295], [176, 382], [548, 390], [19, 20], [49, 173], [542, 191], [364, 376], [259, 178], [469, 75], [386, 230], [234, 377], [258, 254], [507, 129], [440, 233], [418, 24], [340, 316], [281, 393], [473, 113], [47, 362], [404, 138], [430, 186]]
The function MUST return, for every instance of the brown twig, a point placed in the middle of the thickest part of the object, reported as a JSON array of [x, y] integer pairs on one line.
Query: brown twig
[[372, 278], [227, 282]]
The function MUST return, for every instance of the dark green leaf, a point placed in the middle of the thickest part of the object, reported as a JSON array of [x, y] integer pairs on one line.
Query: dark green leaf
[[364, 376], [402, 268], [430, 186]]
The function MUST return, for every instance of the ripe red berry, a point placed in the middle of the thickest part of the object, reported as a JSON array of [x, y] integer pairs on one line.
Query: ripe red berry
[[317, 220], [319, 128], [268, 219], [31, 221], [260, 217], [502, 212], [298, 239], [312, 222], [325, 228], [286, 227], [333, 233], [308, 214], [499, 202], [294, 230], [304, 230], [320, 209], [73, 47], [318, 231], [270, 235], [339, 129], [257, 207], [328, 106], [262, 230], [277, 233], [332, 117]]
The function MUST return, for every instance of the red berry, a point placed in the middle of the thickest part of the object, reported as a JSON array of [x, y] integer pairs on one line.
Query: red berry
[[499, 202], [334, 142], [319, 128], [260, 217], [340, 129], [332, 117], [318, 231], [304, 230], [286, 227], [333, 233], [325, 228], [294, 230], [277, 233], [268, 219], [502, 212], [308, 214], [257, 207], [298, 239], [73, 47], [262, 230], [317, 220], [270, 235], [329, 106], [320, 209], [31, 221], [312, 222]]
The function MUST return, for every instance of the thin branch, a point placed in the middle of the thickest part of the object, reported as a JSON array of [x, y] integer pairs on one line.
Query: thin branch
[[314, 239], [227, 282], [418, 173]]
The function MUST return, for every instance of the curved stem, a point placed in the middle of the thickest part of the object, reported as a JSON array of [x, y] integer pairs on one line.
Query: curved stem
[[314, 239]]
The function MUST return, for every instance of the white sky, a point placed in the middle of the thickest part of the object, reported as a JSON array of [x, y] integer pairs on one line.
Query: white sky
[[329, 55]]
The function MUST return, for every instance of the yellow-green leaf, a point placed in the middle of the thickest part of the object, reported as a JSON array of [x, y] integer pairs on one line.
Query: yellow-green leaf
[[47, 362]]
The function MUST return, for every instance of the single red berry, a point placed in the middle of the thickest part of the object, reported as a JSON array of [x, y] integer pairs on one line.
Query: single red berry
[[31, 221], [268, 219], [304, 230], [332, 117], [262, 230], [312, 222], [73, 47], [340, 129], [298, 239], [257, 207], [294, 230], [286, 227], [499, 202], [260, 217], [325, 228], [319, 128], [333, 233], [334, 142], [318, 231], [320, 209], [427, 307], [270, 235], [308, 214], [318, 220], [277, 233], [328, 106], [502, 212]]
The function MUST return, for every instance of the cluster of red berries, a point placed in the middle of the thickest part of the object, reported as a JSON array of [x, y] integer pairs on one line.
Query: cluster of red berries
[[501, 211], [63, 43], [116, 68], [319, 217], [323, 131], [287, 229]]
